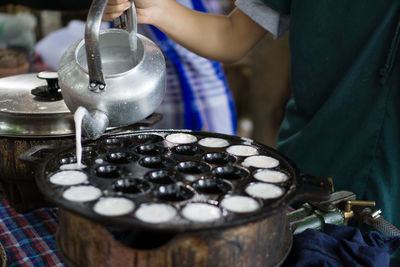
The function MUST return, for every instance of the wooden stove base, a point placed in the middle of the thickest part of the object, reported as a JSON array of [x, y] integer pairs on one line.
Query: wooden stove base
[[3, 257], [82, 242]]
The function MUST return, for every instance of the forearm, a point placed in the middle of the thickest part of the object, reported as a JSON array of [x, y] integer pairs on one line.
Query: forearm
[[221, 38]]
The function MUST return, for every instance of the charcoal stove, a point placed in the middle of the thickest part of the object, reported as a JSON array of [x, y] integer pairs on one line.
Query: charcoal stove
[[145, 168]]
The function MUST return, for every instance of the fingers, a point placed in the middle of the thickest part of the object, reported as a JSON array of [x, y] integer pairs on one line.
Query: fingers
[[116, 2], [115, 8]]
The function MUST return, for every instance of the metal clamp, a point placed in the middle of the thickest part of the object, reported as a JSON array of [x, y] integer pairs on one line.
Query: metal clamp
[[315, 214], [349, 211]]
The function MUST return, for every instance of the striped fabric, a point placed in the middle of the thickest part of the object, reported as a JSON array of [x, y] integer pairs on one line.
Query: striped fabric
[[29, 239], [197, 95]]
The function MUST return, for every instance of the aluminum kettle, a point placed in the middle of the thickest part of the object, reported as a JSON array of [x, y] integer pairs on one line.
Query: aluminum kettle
[[116, 74]]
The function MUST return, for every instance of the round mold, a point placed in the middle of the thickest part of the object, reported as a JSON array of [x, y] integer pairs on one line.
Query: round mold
[[68, 177], [89, 149], [112, 143], [146, 138], [108, 171], [181, 138], [213, 142], [162, 177], [261, 161], [230, 173], [219, 158], [201, 212], [131, 186], [173, 193], [240, 204], [156, 162], [72, 166], [187, 150], [82, 193], [67, 159], [150, 150], [155, 212], [192, 167], [270, 176], [120, 157], [242, 150], [264, 191], [210, 186], [113, 206]]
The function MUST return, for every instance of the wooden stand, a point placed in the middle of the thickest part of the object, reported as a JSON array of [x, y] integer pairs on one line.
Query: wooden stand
[[18, 178], [82, 242], [3, 257]]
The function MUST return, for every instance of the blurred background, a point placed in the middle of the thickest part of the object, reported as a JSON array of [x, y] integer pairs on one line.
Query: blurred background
[[259, 82]]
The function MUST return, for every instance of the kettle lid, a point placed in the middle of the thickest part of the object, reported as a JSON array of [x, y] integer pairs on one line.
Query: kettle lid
[[31, 105]]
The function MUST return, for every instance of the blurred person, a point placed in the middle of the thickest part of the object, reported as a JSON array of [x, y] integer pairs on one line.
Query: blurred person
[[342, 120]]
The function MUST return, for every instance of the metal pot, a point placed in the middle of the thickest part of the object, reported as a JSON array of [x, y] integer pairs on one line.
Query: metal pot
[[117, 75], [33, 114], [129, 165]]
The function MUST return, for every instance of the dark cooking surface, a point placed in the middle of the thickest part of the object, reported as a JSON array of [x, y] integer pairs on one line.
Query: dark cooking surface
[[144, 167]]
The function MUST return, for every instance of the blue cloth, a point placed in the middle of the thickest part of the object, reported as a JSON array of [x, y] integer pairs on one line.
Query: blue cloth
[[341, 246]]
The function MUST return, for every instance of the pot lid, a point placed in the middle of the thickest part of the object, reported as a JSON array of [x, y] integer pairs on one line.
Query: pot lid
[[31, 105]]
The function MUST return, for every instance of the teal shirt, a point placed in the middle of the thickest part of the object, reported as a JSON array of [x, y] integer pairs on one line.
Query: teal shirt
[[343, 119]]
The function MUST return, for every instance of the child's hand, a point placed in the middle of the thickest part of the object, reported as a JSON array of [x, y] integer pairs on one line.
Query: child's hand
[[115, 8]]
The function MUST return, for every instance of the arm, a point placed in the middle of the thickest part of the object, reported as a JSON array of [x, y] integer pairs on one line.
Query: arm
[[217, 37]]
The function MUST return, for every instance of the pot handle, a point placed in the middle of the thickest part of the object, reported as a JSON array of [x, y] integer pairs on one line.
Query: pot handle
[[92, 44], [36, 154], [325, 188]]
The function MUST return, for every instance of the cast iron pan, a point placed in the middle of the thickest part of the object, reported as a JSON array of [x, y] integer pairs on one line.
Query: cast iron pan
[[144, 167]]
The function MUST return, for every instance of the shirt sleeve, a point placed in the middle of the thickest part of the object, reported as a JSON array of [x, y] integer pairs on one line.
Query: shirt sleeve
[[270, 19], [281, 6]]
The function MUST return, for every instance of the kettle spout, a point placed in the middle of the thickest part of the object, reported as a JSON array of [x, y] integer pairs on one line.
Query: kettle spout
[[94, 124]]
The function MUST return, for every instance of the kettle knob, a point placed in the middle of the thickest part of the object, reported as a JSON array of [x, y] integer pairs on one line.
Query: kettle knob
[[49, 92]]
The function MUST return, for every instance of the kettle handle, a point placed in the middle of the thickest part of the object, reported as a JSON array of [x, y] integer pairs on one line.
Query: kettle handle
[[92, 45], [128, 20]]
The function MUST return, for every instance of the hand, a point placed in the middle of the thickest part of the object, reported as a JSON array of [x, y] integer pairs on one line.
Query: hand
[[115, 8]]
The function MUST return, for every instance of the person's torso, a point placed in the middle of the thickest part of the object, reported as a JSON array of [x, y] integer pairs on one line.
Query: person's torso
[[344, 55]]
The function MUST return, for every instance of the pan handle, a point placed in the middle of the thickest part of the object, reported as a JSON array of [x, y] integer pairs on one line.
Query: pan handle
[[36, 154], [324, 185]]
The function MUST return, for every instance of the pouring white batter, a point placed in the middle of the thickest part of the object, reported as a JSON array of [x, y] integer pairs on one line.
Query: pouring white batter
[[78, 117]]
